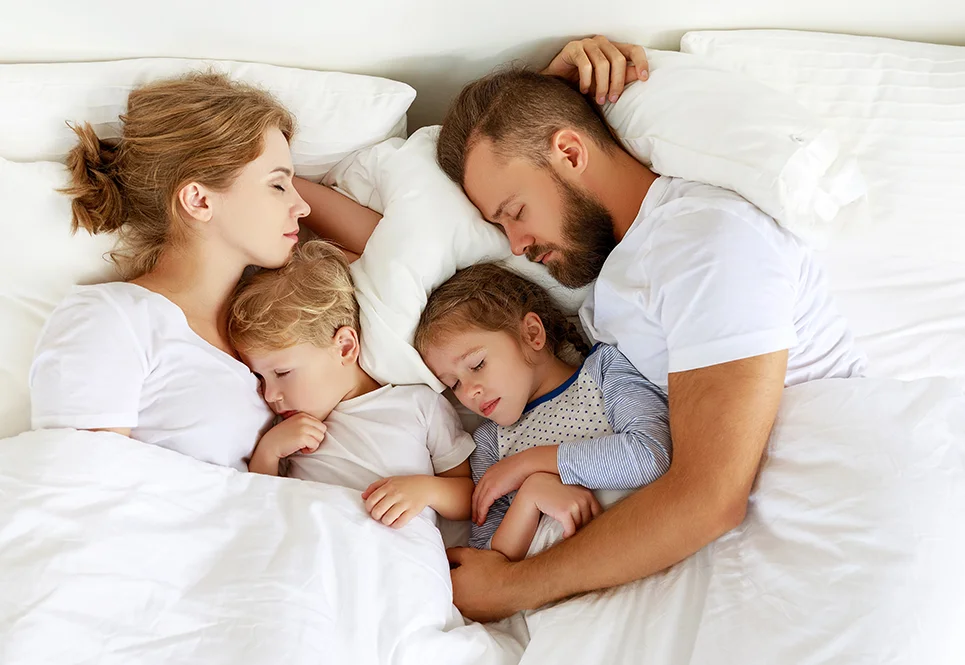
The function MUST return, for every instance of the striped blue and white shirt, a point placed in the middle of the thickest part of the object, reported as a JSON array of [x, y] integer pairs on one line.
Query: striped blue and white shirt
[[611, 425]]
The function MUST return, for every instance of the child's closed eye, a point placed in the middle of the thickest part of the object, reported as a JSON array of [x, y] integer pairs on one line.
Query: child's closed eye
[[479, 366]]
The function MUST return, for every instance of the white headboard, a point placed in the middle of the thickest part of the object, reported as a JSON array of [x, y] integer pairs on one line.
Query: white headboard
[[434, 45]]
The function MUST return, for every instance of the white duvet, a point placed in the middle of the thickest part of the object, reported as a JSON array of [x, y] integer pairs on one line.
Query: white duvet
[[853, 552]]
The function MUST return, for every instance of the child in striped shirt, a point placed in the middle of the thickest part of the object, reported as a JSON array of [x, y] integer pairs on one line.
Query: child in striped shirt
[[499, 343]]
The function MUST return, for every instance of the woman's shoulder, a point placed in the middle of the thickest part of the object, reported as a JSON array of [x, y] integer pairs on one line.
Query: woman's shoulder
[[108, 302], [103, 314]]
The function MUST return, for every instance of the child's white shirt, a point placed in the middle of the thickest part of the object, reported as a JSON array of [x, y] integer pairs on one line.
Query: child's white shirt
[[392, 431]]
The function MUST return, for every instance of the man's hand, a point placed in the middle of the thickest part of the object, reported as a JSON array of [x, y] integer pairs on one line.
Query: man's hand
[[395, 501], [508, 475], [601, 67], [482, 584], [300, 433]]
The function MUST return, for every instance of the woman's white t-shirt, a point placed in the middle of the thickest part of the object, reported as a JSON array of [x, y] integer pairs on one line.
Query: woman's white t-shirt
[[120, 356]]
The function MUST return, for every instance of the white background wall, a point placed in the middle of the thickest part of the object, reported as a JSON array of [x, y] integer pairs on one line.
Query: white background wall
[[434, 45]]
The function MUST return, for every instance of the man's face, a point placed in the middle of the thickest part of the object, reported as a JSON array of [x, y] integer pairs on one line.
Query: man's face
[[545, 217]]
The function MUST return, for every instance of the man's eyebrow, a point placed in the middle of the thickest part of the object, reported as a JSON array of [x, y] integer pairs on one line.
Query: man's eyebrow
[[283, 169], [502, 207]]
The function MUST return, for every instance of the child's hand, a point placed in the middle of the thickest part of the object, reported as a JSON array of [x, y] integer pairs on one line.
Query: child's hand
[[508, 474], [300, 433], [572, 506], [395, 501]]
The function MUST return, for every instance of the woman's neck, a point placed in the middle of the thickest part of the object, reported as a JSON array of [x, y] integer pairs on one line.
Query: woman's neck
[[551, 375], [201, 286]]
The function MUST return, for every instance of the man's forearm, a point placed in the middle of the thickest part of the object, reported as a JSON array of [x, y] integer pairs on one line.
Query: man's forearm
[[645, 533], [720, 417]]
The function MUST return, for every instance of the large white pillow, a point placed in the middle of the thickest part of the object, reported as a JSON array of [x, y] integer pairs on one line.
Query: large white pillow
[[337, 113], [693, 120], [900, 108], [39, 262], [429, 231]]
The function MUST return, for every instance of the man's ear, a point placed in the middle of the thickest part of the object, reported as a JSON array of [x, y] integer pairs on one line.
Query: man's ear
[[568, 150], [534, 334], [347, 343], [195, 200]]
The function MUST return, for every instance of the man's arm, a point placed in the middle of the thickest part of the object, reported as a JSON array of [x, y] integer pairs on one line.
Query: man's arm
[[720, 420]]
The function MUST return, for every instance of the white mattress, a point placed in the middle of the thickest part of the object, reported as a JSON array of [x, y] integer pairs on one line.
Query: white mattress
[[900, 107]]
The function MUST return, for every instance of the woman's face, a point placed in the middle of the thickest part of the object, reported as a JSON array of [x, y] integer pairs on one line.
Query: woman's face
[[257, 217]]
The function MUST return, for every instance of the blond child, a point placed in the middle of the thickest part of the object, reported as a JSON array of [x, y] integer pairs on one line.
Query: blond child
[[497, 341], [403, 447]]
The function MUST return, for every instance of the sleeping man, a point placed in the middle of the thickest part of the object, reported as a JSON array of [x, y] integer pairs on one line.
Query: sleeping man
[[706, 295]]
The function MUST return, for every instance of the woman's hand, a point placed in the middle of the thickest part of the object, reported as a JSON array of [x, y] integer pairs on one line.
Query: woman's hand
[[601, 67], [300, 433], [395, 501]]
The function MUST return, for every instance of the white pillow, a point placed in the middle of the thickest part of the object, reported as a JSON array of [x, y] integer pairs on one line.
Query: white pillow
[[39, 262], [693, 120], [897, 106], [337, 113], [429, 231], [900, 108]]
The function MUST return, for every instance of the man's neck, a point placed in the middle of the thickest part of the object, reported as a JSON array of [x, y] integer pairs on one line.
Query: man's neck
[[621, 186]]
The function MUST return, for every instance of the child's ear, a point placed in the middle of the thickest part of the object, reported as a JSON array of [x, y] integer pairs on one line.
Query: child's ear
[[347, 342], [534, 334]]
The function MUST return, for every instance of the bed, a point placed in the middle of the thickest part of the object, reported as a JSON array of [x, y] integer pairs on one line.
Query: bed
[[852, 548]]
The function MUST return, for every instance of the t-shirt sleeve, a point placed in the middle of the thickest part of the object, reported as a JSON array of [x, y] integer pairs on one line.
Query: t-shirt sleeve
[[89, 367], [725, 289], [449, 444], [639, 450]]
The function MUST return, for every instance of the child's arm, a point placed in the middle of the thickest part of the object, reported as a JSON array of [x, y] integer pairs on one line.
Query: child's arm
[[542, 493], [336, 217], [636, 454], [395, 501], [301, 432]]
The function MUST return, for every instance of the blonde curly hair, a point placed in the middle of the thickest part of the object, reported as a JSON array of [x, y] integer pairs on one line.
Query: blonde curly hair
[[305, 301]]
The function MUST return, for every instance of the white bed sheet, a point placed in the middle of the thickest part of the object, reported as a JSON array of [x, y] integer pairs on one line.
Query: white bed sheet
[[851, 553]]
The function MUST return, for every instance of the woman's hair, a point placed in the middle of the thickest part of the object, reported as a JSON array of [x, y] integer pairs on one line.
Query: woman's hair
[[305, 301], [201, 127], [490, 297]]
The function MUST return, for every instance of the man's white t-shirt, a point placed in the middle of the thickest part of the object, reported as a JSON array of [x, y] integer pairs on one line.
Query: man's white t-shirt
[[120, 356], [391, 431], [703, 277]]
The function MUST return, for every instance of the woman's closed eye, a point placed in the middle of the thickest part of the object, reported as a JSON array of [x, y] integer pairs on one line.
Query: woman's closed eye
[[478, 366], [282, 372], [280, 188]]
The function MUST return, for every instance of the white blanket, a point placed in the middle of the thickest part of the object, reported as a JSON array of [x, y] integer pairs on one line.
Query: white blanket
[[117, 552]]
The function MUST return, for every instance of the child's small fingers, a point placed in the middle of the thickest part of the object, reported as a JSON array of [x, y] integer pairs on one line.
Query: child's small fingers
[[393, 514]]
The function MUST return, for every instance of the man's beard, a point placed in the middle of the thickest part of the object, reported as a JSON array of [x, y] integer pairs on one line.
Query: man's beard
[[588, 237]]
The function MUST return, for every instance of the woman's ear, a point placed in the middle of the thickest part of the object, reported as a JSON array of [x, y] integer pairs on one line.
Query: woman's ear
[[534, 334], [195, 200], [347, 343]]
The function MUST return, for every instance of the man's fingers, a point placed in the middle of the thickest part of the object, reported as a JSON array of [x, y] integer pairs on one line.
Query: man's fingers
[[601, 70], [583, 65], [618, 69]]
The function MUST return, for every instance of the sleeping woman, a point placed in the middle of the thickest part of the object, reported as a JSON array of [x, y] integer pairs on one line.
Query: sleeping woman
[[199, 186]]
